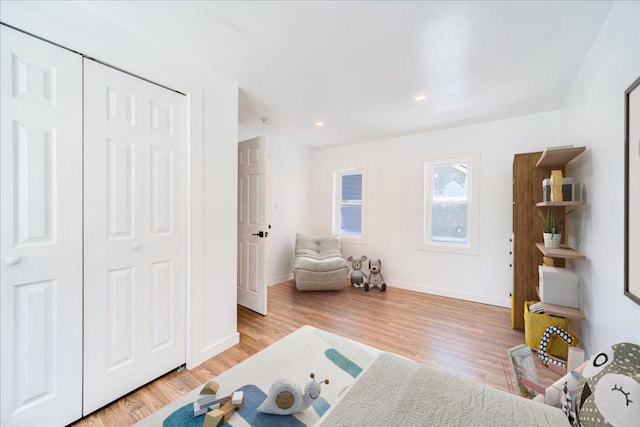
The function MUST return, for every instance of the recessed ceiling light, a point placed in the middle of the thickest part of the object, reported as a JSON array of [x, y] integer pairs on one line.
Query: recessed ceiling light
[[420, 98], [319, 124]]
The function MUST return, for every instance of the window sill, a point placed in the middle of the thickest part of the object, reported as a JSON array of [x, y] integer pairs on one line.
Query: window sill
[[353, 240], [450, 249]]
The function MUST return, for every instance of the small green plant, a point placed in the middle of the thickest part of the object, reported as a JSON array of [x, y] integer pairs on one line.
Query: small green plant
[[550, 224]]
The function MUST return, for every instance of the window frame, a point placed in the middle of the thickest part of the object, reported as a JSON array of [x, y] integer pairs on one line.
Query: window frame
[[338, 204], [472, 200]]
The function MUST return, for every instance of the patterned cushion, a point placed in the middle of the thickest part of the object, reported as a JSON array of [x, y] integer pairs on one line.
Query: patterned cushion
[[609, 391]]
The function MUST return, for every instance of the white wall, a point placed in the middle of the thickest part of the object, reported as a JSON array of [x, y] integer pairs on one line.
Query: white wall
[[291, 192], [212, 104], [593, 115], [394, 189], [214, 291]]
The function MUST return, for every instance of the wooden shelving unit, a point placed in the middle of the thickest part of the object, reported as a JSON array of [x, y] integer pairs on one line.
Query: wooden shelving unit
[[558, 158], [559, 310], [552, 157], [527, 230], [561, 252], [529, 169], [575, 204]]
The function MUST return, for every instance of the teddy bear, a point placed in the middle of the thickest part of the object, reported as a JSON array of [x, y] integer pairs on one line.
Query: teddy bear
[[358, 279], [375, 276]]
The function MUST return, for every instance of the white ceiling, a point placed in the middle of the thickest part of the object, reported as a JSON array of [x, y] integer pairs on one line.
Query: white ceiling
[[357, 66]]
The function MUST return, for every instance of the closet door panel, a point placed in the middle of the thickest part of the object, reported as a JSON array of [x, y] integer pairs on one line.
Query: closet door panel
[[134, 233], [165, 227], [41, 232]]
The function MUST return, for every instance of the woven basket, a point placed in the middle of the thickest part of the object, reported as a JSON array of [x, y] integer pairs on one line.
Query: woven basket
[[535, 325]]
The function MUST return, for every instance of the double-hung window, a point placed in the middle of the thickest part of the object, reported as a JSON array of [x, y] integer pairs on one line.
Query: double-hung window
[[348, 213], [451, 203]]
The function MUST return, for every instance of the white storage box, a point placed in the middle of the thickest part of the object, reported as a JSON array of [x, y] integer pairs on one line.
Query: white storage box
[[558, 286]]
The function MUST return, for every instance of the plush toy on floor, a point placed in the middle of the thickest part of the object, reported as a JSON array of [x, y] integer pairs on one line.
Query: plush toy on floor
[[375, 276], [356, 275], [286, 397]]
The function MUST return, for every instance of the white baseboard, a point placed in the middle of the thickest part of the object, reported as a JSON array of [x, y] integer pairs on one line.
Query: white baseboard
[[215, 349], [281, 279], [500, 302]]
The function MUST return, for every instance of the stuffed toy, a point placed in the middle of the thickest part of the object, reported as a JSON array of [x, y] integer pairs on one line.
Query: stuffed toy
[[375, 276], [287, 397], [356, 275], [609, 391]]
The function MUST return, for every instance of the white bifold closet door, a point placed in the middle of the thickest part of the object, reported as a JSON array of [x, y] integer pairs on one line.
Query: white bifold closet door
[[41, 232], [134, 231]]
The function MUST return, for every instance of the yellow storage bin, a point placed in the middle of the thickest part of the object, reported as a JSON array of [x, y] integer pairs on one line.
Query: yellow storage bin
[[534, 326]]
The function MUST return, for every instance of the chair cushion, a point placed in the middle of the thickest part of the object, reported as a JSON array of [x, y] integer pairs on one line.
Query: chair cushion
[[317, 247], [319, 264]]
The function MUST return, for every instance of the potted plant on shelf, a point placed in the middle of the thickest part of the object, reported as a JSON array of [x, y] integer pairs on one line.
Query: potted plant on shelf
[[552, 228]]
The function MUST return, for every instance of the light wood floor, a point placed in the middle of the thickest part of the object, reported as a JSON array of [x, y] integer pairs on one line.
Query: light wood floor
[[464, 338]]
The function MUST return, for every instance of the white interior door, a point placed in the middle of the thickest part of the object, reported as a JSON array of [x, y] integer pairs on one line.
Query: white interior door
[[252, 225], [134, 200], [41, 232]]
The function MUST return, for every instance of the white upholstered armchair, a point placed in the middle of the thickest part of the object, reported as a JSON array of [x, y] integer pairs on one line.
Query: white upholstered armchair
[[319, 264]]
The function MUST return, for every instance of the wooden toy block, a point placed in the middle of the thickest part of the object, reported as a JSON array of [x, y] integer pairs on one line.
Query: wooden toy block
[[206, 400], [201, 406], [199, 409], [222, 400], [213, 418], [237, 397], [211, 387], [228, 408]]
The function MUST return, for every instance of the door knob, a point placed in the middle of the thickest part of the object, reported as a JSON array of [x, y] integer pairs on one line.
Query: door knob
[[261, 234], [136, 245], [12, 260]]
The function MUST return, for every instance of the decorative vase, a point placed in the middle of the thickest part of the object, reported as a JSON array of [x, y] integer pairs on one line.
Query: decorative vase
[[552, 240]]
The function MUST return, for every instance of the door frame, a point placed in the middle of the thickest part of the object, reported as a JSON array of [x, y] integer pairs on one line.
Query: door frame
[[268, 206]]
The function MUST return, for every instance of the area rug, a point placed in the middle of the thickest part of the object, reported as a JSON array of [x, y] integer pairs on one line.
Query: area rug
[[297, 355]]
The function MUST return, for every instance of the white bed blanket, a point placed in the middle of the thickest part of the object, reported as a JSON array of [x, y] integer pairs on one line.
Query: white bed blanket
[[395, 391]]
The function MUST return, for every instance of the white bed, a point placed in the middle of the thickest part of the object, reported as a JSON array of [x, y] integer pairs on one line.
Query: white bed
[[394, 391]]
